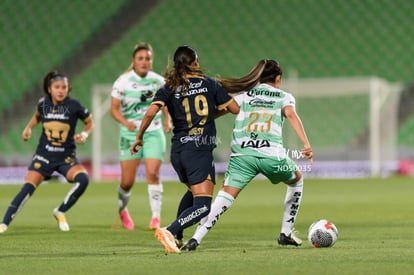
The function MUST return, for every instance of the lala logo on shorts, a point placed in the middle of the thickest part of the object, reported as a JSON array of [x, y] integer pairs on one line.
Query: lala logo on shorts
[[37, 165]]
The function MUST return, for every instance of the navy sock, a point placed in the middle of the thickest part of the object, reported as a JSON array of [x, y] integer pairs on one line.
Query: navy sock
[[186, 202], [201, 207], [81, 183], [17, 203]]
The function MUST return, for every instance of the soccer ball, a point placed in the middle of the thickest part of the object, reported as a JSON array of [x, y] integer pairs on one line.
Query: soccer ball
[[322, 233]]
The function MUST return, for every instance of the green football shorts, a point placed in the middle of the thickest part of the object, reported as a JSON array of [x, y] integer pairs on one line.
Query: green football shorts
[[242, 170], [154, 146]]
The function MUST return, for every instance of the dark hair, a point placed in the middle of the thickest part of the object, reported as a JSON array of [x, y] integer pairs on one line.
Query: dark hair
[[265, 70], [176, 76], [271, 70], [51, 77]]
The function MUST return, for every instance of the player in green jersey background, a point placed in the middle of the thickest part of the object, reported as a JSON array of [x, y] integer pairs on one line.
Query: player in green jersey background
[[132, 94]]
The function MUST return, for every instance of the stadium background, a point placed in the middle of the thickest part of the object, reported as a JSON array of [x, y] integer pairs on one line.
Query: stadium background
[[91, 41]]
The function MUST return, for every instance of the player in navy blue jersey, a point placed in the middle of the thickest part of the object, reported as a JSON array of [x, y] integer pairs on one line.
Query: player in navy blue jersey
[[56, 150], [193, 101]]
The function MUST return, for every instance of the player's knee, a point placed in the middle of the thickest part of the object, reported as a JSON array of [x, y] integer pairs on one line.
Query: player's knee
[[297, 180], [83, 180], [153, 177], [297, 183]]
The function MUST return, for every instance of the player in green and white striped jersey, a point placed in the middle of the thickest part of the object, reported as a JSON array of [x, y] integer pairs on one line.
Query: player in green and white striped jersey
[[258, 127], [132, 94], [257, 147]]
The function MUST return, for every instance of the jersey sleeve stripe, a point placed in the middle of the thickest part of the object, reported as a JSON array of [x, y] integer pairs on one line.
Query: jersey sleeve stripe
[[224, 105], [160, 103]]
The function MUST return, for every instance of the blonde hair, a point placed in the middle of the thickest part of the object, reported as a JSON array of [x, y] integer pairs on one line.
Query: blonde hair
[[137, 48]]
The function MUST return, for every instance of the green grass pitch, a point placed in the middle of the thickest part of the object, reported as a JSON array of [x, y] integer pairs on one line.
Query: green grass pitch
[[374, 217]]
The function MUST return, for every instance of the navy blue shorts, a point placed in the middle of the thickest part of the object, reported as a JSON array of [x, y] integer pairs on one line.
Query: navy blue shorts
[[46, 166], [194, 167]]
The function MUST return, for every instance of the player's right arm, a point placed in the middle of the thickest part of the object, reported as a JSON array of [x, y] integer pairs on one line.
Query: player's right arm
[[233, 108], [117, 115], [146, 121], [27, 132]]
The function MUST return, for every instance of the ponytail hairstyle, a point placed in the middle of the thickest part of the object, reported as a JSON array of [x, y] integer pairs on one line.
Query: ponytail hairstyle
[[271, 70], [265, 70], [137, 48], [51, 77], [178, 75]]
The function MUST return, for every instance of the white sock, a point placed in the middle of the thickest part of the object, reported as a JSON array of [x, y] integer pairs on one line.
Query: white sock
[[291, 207], [123, 198], [155, 198], [221, 203]]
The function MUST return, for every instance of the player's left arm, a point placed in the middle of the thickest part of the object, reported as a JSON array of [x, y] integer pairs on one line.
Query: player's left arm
[[297, 126], [87, 129]]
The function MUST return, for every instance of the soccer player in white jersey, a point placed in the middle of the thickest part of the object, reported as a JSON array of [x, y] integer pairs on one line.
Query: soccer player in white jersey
[[132, 94], [257, 147]]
